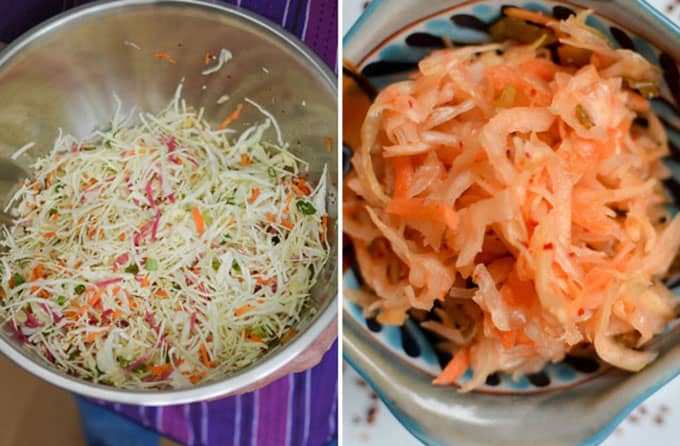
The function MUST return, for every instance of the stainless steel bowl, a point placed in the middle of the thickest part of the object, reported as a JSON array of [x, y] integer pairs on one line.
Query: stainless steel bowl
[[63, 73]]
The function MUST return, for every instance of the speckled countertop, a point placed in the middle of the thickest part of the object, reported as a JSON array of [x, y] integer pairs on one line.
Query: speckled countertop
[[367, 421]]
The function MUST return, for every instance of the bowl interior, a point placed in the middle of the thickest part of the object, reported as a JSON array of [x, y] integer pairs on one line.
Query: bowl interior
[[393, 59], [63, 74]]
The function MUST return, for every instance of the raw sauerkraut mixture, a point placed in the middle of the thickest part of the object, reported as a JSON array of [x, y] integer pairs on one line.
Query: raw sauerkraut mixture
[[162, 254], [518, 200]]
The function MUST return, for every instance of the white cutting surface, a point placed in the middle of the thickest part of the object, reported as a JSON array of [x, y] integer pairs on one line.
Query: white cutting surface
[[655, 422]]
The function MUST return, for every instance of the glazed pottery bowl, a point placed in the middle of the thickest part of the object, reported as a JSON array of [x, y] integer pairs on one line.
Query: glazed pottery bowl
[[64, 72], [578, 401]]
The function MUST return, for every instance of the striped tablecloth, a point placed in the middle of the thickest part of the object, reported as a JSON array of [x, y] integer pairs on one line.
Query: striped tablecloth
[[299, 409]]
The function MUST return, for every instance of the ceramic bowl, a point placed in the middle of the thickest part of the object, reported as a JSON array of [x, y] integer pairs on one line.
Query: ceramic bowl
[[578, 401]]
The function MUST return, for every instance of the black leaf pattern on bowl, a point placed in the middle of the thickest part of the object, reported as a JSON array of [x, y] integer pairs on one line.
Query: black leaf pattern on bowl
[[673, 282], [562, 12], [667, 124], [664, 103], [385, 67], [540, 379], [583, 364], [346, 159], [673, 187], [493, 380], [409, 344], [622, 38], [373, 324], [443, 358], [425, 40], [469, 21], [361, 82], [671, 76], [675, 150], [348, 253]]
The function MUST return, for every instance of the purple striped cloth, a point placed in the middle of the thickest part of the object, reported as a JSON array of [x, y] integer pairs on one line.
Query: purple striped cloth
[[297, 410], [313, 21]]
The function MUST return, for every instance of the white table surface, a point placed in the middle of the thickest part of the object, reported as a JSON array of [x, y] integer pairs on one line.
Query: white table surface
[[655, 422]]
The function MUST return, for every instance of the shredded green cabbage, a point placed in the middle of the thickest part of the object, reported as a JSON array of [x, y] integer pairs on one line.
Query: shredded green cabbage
[[161, 254]]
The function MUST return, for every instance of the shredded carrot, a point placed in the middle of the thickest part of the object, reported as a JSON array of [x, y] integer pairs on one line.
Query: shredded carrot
[[161, 293], [207, 58], [93, 336], [324, 227], [403, 175], [196, 377], [160, 370], [637, 102], [231, 118], [508, 338], [264, 280], [122, 236], [255, 194], [423, 209], [300, 187], [90, 184], [116, 314], [329, 144], [50, 234], [289, 199], [455, 368], [245, 160], [198, 221], [290, 334], [254, 338], [270, 217], [287, 224], [145, 282], [37, 272], [205, 358], [74, 314], [240, 311], [96, 296], [542, 68], [165, 56]]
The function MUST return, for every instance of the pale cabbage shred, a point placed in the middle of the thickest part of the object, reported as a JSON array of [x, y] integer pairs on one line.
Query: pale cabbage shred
[[210, 177]]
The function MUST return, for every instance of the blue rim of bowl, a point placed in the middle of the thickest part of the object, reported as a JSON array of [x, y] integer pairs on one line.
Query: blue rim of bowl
[[361, 21], [606, 430]]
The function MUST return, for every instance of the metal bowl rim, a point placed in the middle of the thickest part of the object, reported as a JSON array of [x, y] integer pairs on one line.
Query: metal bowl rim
[[259, 370]]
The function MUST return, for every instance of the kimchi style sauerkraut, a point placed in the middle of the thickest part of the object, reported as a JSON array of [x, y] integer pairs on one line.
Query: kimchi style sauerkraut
[[519, 200]]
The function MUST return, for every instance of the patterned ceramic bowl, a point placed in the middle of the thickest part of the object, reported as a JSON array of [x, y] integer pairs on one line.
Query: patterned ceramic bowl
[[577, 401]]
